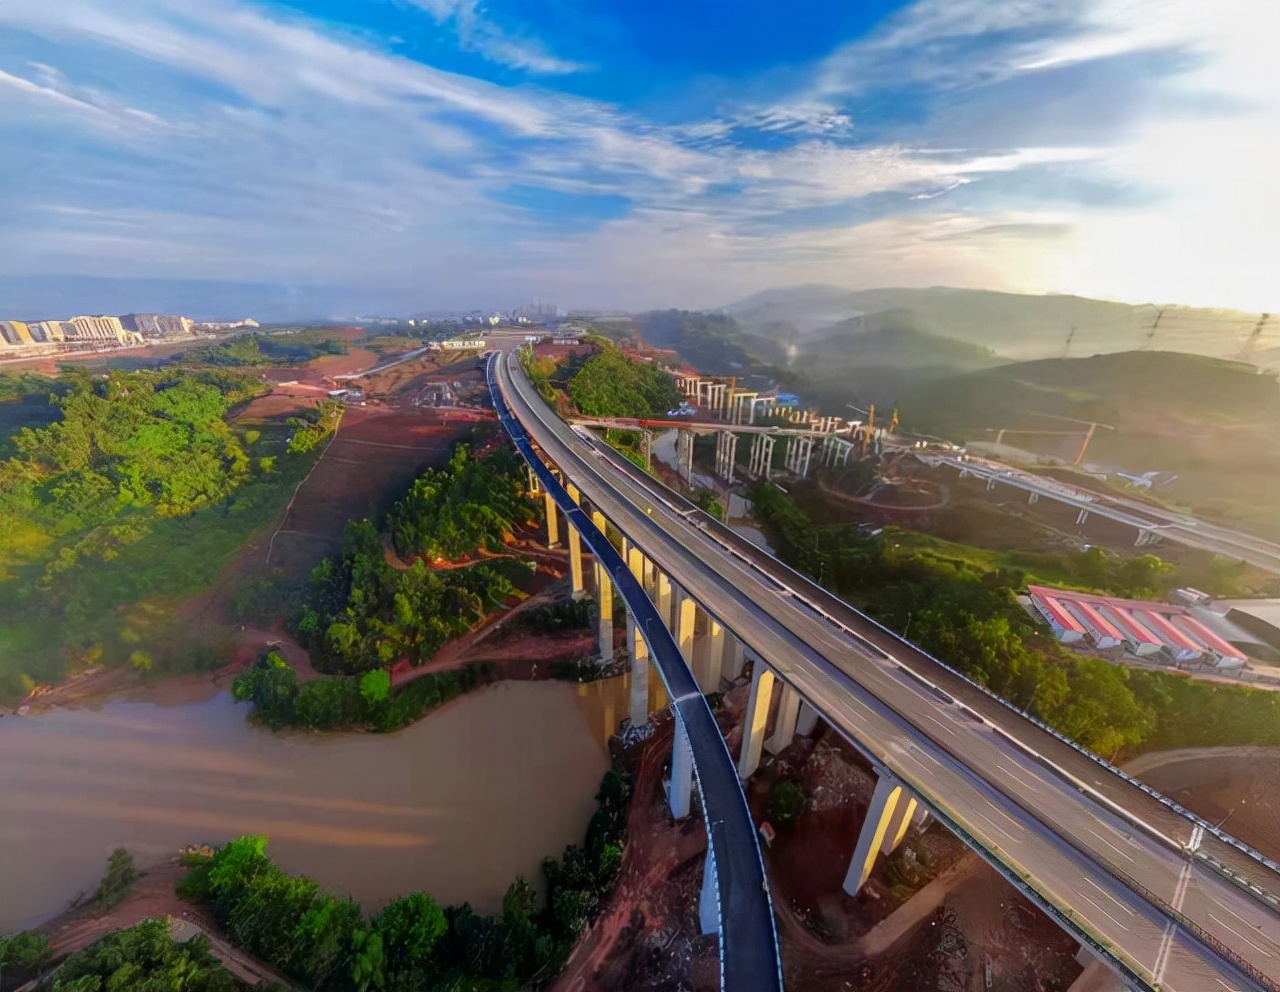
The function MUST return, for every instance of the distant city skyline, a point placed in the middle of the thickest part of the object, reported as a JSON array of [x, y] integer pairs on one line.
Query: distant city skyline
[[303, 158]]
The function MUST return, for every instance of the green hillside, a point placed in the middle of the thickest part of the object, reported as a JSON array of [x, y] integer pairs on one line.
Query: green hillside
[[1017, 327], [1215, 423], [859, 362]]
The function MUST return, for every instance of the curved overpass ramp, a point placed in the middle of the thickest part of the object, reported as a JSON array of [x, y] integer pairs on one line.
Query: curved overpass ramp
[[749, 955]]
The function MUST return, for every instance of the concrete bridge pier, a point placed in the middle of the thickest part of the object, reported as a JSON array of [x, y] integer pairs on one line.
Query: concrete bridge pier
[[638, 651], [553, 522], [604, 599], [708, 651], [806, 720], [685, 621], [684, 455], [784, 724], [756, 719], [731, 659], [1081, 517], [680, 791], [726, 454], [888, 818]]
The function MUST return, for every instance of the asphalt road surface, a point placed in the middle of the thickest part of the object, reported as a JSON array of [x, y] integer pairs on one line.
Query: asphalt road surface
[[1171, 921]]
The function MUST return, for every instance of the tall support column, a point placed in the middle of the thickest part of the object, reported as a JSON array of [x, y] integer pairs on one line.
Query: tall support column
[[806, 720], [757, 719], [686, 616], [731, 659], [684, 444], [708, 645], [533, 487], [767, 467], [875, 829], [553, 523], [680, 792], [575, 562], [709, 900], [604, 599], [731, 457], [784, 725], [638, 651], [662, 596]]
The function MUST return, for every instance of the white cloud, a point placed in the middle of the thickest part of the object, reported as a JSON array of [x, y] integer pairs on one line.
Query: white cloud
[[479, 33], [216, 140]]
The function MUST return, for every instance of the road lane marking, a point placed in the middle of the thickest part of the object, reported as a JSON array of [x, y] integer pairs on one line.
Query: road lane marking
[[1109, 895], [1106, 914], [1104, 840], [1180, 891], [1162, 955], [1260, 950]]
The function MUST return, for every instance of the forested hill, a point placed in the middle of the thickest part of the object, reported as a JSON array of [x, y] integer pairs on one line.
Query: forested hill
[[1214, 423], [874, 364], [1017, 327]]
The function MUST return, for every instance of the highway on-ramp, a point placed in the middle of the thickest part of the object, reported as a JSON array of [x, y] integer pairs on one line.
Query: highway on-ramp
[[749, 954], [1169, 920]]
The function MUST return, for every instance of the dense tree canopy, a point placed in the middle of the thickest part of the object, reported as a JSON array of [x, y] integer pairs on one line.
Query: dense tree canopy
[[471, 503], [969, 617], [610, 384], [145, 958], [326, 943], [128, 446]]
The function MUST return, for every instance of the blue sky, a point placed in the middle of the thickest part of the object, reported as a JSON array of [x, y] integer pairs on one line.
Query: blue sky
[[311, 157]]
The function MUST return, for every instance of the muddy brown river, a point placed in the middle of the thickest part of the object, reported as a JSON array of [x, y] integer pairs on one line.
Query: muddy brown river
[[459, 804]]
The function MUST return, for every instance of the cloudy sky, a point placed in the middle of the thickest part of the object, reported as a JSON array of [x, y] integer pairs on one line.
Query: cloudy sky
[[326, 156]]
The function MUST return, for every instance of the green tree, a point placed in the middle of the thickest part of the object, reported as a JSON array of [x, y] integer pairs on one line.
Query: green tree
[[375, 686], [118, 879], [410, 928], [786, 801]]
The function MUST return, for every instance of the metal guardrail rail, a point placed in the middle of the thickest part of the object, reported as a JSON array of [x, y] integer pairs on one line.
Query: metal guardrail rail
[[750, 958]]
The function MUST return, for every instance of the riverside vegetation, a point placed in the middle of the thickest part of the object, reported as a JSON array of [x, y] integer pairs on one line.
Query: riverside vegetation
[[325, 942], [960, 609], [137, 488], [360, 615]]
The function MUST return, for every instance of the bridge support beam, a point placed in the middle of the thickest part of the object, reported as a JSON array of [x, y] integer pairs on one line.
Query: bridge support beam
[[731, 659], [680, 792], [709, 900], [1081, 517], [686, 617], [756, 720], [886, 824], [575, 563], [726, 454], [662, 597], [784, 725], [638, 651], [553, 522], [708, 650], [604, 599], [684, 455], [806, 720]]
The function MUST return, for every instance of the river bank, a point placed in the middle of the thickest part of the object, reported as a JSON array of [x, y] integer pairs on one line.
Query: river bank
[[458, 804]]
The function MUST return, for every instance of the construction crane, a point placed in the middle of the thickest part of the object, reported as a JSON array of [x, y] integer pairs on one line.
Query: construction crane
[[1151, 331], [1093, 425], [1251, 345]]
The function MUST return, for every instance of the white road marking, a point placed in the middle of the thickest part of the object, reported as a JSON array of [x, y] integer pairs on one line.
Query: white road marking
[[1260, 950], [1109, 895], [1162, 955], [1104, 840], [939, 723], [1180, 891], [1106, 914]]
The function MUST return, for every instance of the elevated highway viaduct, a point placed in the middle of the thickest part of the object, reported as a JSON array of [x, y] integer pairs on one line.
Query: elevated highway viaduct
[[1168, 902]]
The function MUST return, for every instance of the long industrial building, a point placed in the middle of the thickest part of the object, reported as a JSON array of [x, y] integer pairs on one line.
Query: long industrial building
[[1145, 629]]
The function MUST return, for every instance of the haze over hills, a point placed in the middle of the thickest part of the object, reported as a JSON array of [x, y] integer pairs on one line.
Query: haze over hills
[[1016, 327]]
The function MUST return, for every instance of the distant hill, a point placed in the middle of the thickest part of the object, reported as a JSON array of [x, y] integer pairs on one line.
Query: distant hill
[[870, 361], [1215, 423], [1016, 327]]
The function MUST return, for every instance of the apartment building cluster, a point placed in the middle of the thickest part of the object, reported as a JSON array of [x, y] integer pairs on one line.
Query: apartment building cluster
[[91, 330]]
